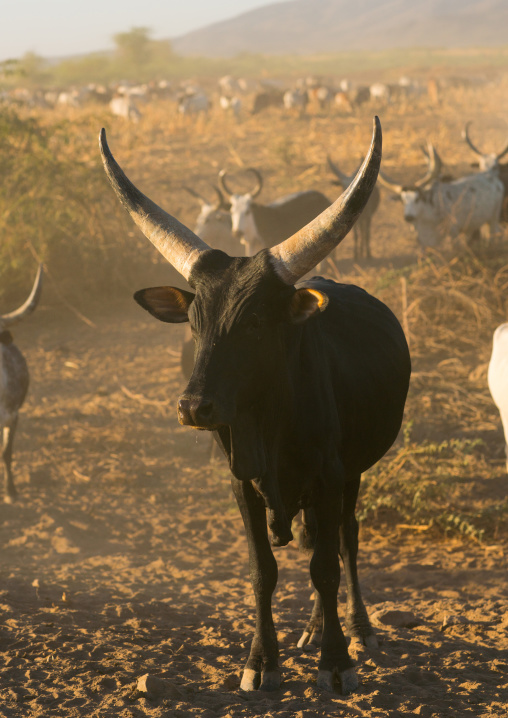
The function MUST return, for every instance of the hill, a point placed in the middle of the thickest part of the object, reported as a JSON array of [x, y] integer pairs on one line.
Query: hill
[[320, 26]]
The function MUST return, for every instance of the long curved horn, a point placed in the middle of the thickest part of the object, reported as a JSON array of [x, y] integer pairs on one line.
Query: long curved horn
[[259, 179], [304, 250], [28, 306], [222, 182], [344, 180], [465, 136], [221, 202], [174, 240], [434, 169]]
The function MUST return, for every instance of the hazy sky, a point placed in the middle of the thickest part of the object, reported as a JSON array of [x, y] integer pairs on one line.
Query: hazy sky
[[66, 27]]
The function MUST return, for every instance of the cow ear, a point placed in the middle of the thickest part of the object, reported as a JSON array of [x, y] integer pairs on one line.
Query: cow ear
[[168, 304], [305, 303]]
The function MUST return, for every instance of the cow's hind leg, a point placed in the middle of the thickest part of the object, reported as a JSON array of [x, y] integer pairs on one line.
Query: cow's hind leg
[[261, 670], [8, 440], [325, 574], [357, 622]]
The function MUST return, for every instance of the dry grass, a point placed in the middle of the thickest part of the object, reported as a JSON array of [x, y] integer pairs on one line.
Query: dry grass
[[447, 470]]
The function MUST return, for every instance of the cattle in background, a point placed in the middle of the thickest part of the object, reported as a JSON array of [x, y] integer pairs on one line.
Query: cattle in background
[[266, 98], [439, 209], [231, 104], [287, 379], [125, 106], [258, 225], [193, 104], [296, 100], [489, 161], [498, 378], [213, 223], [342, 102], [361, 229], [380, 93], [14, 379]]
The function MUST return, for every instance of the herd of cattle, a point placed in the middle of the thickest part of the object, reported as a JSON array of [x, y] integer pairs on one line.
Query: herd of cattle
[[238, 95], [435, 205], [283, 370]]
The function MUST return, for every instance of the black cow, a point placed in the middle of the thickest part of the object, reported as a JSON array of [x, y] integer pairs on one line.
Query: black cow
[[304, 388]]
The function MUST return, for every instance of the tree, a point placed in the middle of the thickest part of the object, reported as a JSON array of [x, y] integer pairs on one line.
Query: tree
[[135, 46]]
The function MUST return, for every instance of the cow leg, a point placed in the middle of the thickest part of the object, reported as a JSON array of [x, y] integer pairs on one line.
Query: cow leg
[[8, 440], [311, 636], [261, 669], [357, 622], [325, 574]]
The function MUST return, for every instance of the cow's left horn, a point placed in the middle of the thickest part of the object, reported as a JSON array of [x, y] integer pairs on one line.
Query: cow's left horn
[[304, 250], [176, 242], [28, 306]]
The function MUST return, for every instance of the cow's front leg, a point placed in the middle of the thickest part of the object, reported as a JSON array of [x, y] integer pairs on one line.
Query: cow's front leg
[[325, 574], [357, 622], [262, 667]]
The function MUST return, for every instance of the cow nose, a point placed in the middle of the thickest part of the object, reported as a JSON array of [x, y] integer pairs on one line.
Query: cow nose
[[237, 234], [409, 218], [195, 412]]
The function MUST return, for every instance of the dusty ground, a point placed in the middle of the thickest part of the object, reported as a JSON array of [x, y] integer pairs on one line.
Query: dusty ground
[[125, 555]]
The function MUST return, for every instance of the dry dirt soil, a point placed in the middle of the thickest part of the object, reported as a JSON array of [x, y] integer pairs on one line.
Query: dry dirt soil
[[125, 555]]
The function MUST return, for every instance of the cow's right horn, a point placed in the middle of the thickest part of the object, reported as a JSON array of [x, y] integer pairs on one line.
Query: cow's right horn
[[296, 256], [176, 242]]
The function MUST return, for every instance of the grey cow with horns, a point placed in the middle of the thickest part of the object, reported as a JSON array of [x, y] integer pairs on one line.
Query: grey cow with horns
[[304, 388]]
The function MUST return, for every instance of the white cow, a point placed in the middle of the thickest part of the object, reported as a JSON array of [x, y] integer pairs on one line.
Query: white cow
[[231, 104], [446, 209], [124, 106], [295, 100], [498, 378], [193, 104], [213, 223]]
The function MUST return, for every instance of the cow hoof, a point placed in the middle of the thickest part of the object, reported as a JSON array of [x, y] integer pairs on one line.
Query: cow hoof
[[250, 680], [371, 641], [325, 680], [270, 681], [348, 681], [309, 642]]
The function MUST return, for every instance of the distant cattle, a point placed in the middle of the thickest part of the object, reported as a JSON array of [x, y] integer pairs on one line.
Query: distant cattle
[[258, 226], [193, 104], [437, 209], [14, 380], [125, 106], [231, 104], [491, 160], [296, 100], [265, 99]]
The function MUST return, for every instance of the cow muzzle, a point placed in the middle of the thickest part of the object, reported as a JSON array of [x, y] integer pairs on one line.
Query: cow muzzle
[[197, 412]]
